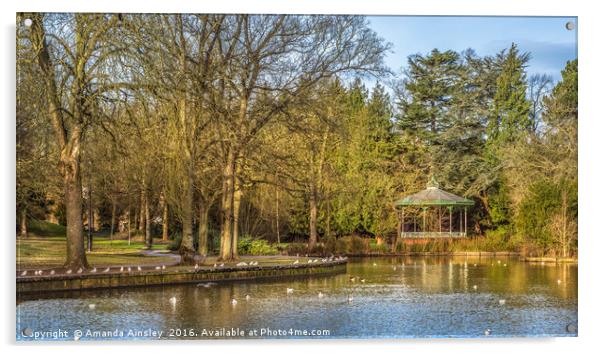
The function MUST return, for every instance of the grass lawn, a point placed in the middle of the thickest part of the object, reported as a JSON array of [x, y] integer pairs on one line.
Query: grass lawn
[[49, 252]]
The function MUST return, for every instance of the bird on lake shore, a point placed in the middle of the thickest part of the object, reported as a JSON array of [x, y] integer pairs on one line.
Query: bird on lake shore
[[129, 269], [289, 290], [107, 270], [52, 272], [24, 273], [241, 264], [394, 268], [139, 268], [248, 297], [559, 281], [93, 270], [79, 271], [69, 271], [363, 280], [196, 266], [296, 262], [121, 269], [163, 267]]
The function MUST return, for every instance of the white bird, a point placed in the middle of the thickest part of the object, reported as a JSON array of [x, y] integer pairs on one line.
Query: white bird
[[289, 290], [157, 268], [352, 278], [363, 280], [35, 272], [498, 262], [502, 302], [24, 273], [542, 262], [69, 271], [559, 281], [79, 271], [296, 262], [394, 268], [139, 268], [309, 261], [221, 265], [93, 270], [349, 298], [106, 270], [248, 297], [129, 269], [92, 306], [173, 300], [121, 269], [487, 332], [196, 266], [214, 265], [320, 295], [374, 264], [52, 272], [40, 272], [163, 267], [474, 287], [504, 264], [241, 264], [234, 302]]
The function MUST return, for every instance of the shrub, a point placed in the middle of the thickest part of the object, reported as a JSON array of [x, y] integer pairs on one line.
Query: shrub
[[255, 247], [292, 249]]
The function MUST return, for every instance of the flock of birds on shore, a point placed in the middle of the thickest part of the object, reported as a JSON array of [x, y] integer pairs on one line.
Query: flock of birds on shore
[[129, 269]]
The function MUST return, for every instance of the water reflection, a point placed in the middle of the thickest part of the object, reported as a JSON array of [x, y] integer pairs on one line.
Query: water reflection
[[399, 297]]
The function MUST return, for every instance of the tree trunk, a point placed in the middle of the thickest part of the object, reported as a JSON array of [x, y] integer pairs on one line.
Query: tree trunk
[[23, 223], [235, 217], [313, 218], [148, 237], [113, 211], [141, 221], [165, 220], [226, 209], [203, 229], [76, 255], [277, 216]]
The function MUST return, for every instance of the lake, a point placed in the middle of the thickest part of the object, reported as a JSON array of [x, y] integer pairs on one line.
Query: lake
[[388, 297]]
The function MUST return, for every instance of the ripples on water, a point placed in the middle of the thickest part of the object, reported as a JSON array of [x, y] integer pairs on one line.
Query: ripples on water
[[399, 298]]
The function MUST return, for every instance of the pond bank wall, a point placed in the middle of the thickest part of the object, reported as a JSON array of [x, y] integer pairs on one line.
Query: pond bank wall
[[41, 284]]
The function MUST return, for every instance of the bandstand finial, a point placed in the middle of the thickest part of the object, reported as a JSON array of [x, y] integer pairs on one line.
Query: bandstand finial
[[432, 183]]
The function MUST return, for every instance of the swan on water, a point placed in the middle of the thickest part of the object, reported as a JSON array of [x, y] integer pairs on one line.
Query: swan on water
[[320, 295], [234, 302], [349, 298], [92, 306], [173, 300], [487, 332], [502, 302], [474, 287], [289, 290]]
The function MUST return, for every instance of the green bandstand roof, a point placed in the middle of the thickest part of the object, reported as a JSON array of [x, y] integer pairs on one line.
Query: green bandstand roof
[[433, 196]]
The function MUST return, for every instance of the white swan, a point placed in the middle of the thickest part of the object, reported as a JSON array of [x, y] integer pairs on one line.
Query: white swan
[[69, 271], [139, 268], [234, 302], [320, 295], [502, 302], [92, 306], [106, 270], [289, 290], [173, 300]]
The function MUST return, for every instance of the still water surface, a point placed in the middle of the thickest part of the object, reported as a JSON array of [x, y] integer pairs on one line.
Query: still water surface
[[398, 298]]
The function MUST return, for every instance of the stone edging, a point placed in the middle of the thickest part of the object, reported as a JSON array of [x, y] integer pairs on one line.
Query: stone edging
[[88, 281]]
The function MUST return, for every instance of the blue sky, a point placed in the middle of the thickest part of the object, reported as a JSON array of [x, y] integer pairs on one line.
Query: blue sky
[[551, 45]]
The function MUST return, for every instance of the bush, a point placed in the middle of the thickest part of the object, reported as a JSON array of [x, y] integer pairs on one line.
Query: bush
[[256, 247], [296, 248], [45, 228]]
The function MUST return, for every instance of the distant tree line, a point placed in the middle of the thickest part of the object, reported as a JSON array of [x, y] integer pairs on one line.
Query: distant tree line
[[205, 129]]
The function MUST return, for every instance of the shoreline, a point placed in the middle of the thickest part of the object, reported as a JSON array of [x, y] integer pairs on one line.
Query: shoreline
[[78, 282]]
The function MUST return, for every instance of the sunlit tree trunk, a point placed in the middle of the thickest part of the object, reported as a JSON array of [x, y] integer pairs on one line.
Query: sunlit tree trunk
[[113, 211], [203, 229], [227, 206], [165, 219], [235, 217], [23, 223], [313, 217], [148, 237]]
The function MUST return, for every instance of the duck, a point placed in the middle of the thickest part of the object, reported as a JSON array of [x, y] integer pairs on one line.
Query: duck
[[173, 300], [289, 290]]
